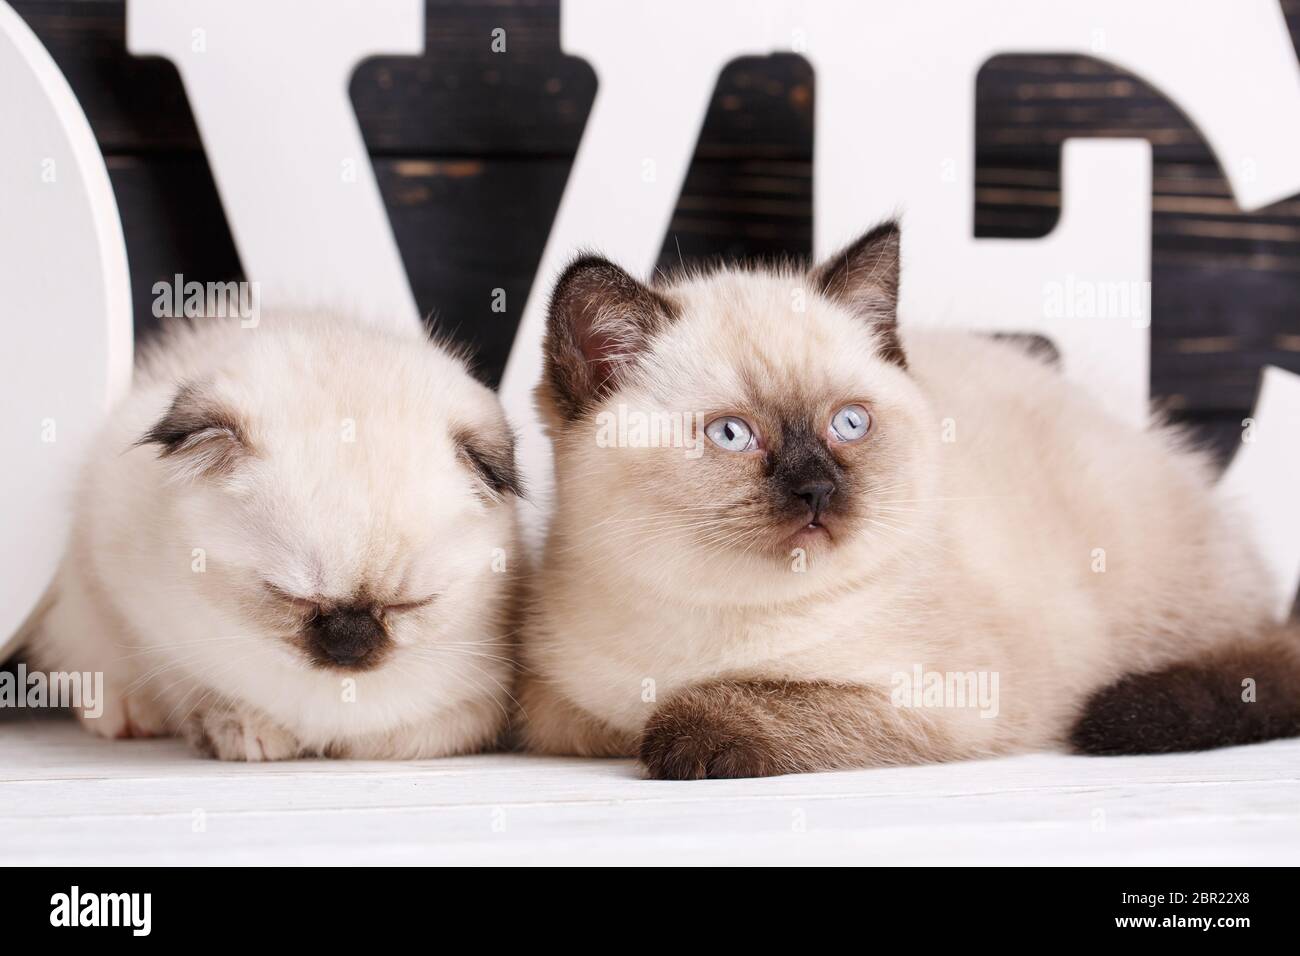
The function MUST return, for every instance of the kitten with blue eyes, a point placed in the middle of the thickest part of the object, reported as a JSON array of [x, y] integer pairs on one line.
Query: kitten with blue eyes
[[889, 549], [295, 540]]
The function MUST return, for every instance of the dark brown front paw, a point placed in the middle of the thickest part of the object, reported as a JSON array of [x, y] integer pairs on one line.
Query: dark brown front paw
[[713, 730]]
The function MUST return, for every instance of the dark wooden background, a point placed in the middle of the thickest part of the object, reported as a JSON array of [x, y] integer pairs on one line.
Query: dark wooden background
[[472, 150]]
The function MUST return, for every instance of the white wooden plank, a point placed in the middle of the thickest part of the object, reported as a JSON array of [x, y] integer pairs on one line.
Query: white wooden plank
[[68, 798]]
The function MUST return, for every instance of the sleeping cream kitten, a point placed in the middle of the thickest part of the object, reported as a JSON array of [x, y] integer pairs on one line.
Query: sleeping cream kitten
[[789, 538], [291, 540]]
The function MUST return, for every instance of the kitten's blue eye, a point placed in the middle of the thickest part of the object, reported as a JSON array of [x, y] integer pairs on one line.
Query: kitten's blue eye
[[850, 423], [731, 434]]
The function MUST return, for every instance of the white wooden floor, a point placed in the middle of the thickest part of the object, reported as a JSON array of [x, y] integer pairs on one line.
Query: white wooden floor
[[67, 798]]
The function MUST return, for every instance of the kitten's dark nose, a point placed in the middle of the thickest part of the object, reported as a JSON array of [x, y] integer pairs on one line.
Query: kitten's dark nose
[[347, 637], [816, 495]]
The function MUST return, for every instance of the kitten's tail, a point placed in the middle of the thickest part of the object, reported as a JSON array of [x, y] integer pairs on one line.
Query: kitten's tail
[[1237, 695]]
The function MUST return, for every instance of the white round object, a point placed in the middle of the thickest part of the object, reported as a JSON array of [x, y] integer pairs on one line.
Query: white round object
[[67, 337]]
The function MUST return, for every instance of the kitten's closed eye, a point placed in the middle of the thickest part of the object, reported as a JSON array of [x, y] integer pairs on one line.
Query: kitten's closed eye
[[304, 605], [313, 606], [401, 607]]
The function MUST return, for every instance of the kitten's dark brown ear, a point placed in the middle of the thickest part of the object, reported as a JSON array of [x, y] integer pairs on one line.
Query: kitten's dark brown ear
[[493, 460], [864, 277], [600, 319], [199, 434]]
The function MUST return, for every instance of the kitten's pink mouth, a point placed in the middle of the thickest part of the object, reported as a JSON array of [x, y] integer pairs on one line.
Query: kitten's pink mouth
[[806, 534]]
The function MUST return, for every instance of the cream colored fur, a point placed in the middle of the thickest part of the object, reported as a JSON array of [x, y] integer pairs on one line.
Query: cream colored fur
[[355, 484], [979, 553]]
